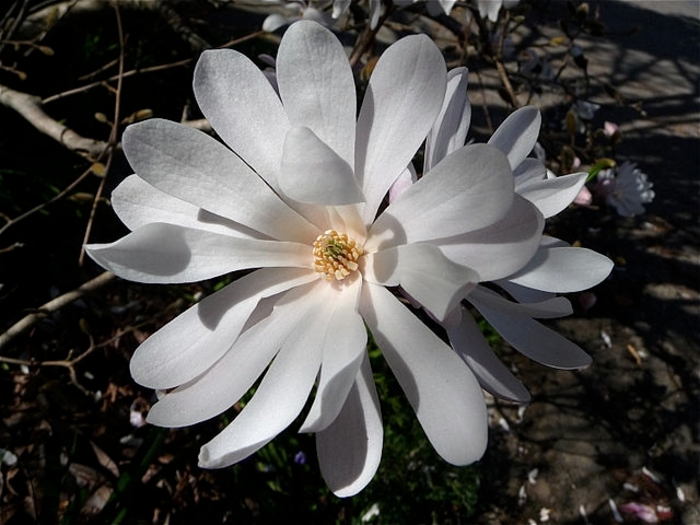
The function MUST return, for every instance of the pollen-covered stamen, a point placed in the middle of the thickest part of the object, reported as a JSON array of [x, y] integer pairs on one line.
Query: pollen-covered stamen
[[336, 255]]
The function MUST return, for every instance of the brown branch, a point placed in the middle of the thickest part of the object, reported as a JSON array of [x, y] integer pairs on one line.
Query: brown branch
[[30, 320], [30, 107]]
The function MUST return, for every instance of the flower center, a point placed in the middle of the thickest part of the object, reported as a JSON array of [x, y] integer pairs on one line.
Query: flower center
[[335, 255]]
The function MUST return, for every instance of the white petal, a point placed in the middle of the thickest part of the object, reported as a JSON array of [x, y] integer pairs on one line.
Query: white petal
[[442, 390], [274, 21], [497, 251], [563, 270], [548, 309], [535, 340], [517, 135], [197, 338], [449, 132], [243, 108], [312, 172], [522, 293], [424, 272], [166, 253], [470, 189], [469, 343], [345, 339], [553, 195], [403, 98], [222, 385], [190, 165], [137, 203], [349, 450], [529, 170], [317, 86], [405, 180], [281, 394]]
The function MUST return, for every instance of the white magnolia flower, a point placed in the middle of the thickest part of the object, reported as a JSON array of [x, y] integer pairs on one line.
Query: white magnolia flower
[[490, 8], [435, 7], [626, 189], [555, 267], [294, 11], [294, 191]]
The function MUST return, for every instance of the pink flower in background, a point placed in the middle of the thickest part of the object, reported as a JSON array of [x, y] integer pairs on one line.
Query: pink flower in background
[[625, 188]]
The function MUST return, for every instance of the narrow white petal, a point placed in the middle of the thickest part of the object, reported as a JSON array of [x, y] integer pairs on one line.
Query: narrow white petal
[[403, 98], [190, 165], [547, 309], [312, 172], [350, 449], [433, 280], [472, 188], [498, 250], [197, 338], [517, 135], [441, 388], [529, 170], [166, 253], [553, 195], [137, 203], [405, 180], [280, 397], [345, 342], [469, 343], [317, 86], [449, 132], [222, 385], [522, 293], [243, 108], [563, 270]]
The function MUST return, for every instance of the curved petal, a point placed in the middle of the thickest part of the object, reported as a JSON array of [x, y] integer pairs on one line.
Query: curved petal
[[469, 343], [345, 342], [517, 135], [563, 270], [311, 172], [405, 180], [547, 309], [403, 98], [499, 250], [193, 341], [535, 340], [470, 189], [317, 87], [449, 132], [224, 383], [243, 108], [137, 203], [529, 170], [553, 195], [350, 449], [437, 283], [523, 294], [166, 253], [190, 165], [281, 395], [442, 390]]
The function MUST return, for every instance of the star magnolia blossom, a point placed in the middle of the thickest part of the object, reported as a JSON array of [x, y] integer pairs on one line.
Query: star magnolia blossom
[[294, 191], [554, 268], [626, 189], [490, 8]]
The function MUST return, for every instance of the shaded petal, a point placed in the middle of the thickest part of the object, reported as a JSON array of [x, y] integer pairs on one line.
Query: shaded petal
[[469, 343], [517, 135], [344, 343], [243, 108], [281, 395], [312, 172], [137, 203], [317, 86], [449, 132], [498, 250], [434, 281], [470, 189], [563, 270], [350, 449], [529, 170], [522, 293], [405, 180], [222, 385], [553, 195], [547, 309], [166, 253], [197, 338], [442, 390], [403, 98], [190, 165]]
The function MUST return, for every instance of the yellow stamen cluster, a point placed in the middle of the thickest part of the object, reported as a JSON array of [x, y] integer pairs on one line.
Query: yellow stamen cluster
[[336, 255]]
